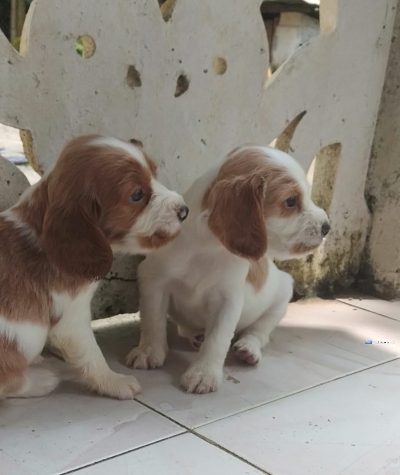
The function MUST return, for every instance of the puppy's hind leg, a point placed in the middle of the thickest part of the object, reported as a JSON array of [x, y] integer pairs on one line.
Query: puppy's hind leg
[[254, 338], [19, 380], [36, 382]]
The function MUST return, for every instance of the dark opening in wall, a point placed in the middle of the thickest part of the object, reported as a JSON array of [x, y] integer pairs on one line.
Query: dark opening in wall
[[289, 24], [12, 17], [182, 85], [167, 8]]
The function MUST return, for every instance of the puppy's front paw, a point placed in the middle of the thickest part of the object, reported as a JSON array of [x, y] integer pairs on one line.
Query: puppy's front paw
[[118, 386], [201, 380], [248, 350], [146, 357]]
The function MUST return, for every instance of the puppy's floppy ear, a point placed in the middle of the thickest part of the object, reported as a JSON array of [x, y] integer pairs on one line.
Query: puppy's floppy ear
[[74, 242], [236, 215]]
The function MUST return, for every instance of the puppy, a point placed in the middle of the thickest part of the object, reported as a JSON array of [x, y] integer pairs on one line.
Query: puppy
[[218, 278], [101, 197]]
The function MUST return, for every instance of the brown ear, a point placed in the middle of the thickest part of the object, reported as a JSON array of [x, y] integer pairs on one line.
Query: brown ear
[[74, 242], [237, 217]]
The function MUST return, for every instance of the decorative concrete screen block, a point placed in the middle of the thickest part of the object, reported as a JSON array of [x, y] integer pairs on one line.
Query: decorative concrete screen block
[[12, 184], [118, 291], [292, 31], [190, 86], [381, 266]]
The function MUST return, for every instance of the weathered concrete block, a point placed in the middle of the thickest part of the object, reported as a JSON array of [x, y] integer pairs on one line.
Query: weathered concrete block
[[12, 184], [380, 269], [118, 292], [192, 89]]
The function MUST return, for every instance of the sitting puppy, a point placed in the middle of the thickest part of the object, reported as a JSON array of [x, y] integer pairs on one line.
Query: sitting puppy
[[101, 197], [218, 278]]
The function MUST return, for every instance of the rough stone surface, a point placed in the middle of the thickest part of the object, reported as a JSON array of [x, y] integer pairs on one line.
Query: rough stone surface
[[117, 292], [12, 184], [337, 78], [380, 271]]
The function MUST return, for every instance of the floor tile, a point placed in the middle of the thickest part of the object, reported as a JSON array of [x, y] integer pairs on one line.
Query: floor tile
[[71, 428], [183, 455], [350, 426], [316, 341], [381, 307]]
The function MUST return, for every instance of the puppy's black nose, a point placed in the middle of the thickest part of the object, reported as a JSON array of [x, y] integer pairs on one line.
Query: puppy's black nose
[[325, 228], [183, 211]]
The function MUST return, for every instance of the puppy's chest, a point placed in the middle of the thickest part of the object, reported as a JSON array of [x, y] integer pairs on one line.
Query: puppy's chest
[[67, 304], [199, 271], [196, 289]]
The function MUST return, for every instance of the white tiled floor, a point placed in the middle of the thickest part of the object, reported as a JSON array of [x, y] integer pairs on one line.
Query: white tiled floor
[[388, 309], [321, 402]]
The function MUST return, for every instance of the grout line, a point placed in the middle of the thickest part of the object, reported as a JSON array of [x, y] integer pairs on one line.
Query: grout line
[[366, 310], [279, 398], [97, 462], [224, 449], [204, 438], [186, 431], [164, 415]]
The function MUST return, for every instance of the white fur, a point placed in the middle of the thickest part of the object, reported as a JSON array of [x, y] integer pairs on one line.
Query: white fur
[[22, 227], [160, 214], [73, 335], [127, 147], [29, 337], [38, 382], [203, 287]]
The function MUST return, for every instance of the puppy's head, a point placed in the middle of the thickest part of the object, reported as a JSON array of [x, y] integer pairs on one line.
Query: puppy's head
[[103, 196], [261, 198]]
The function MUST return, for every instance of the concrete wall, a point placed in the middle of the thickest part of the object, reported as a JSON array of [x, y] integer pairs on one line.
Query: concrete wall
[[12, 184], [380, 272], [128, 84]]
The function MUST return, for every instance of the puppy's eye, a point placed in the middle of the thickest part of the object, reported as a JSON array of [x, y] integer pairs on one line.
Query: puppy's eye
[[291, 202], [137, 196]]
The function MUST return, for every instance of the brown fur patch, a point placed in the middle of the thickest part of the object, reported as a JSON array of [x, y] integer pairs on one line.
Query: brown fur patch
[[258, 273], [302, 248], [158, 239], [12, 366], [236, 215], [59, 236], [25, 275], [89, 206], [248, 189]]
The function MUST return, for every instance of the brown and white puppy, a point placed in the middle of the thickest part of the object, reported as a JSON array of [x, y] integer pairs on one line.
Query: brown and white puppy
[[218, 277], [101, 197]]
